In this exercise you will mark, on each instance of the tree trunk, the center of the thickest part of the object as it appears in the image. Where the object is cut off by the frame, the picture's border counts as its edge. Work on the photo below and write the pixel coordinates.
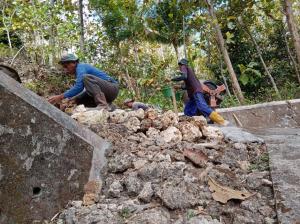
(52, 36)
(292, 27)
(227, 60)
(176, 49)
(184, 41)
(80, 13)
(260, 57)
(292, 57)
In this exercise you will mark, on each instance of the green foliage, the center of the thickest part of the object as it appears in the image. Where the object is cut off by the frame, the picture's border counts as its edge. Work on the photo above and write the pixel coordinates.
(249, 75)
(261, 163)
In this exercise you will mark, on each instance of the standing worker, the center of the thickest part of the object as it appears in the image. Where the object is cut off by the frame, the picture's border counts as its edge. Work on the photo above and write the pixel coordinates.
(93, 87)
(196, 102)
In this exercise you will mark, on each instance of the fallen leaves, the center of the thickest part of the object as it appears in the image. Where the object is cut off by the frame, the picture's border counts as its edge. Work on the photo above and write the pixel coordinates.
(224, 194)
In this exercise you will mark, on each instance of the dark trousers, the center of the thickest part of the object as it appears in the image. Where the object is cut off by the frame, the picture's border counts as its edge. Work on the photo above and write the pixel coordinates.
(197, 104)
(98, 92)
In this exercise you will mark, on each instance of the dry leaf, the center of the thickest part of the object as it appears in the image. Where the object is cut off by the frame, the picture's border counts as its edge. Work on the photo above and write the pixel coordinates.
(197, 157)
(223, 194)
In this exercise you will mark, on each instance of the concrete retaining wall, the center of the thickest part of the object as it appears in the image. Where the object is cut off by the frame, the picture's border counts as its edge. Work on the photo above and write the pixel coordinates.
(45, 156)
(265, 115)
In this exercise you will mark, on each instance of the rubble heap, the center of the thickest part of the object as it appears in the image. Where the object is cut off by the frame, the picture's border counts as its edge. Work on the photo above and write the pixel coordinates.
(162, 168)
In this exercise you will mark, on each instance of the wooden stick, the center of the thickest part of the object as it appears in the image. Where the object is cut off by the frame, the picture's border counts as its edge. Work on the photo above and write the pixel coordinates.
(174, 100)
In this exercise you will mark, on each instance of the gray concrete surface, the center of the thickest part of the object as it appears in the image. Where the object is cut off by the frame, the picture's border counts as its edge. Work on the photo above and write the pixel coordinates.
(284, 152)
(45, 156)
(265, 115)
(278, 124)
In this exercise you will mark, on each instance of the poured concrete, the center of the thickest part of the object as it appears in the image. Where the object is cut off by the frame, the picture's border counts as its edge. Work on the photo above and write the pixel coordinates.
(277, 123)
(265, 115)
(45, 156)
(284, 152)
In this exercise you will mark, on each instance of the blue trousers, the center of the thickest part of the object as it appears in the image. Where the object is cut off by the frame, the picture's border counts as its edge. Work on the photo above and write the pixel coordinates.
(197, 104)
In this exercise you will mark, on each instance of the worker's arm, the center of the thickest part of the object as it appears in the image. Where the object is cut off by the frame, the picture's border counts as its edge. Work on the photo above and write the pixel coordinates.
(79, 86)
(182, 77)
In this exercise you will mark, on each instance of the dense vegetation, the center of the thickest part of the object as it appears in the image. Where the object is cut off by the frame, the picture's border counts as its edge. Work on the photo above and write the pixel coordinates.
(252, 45)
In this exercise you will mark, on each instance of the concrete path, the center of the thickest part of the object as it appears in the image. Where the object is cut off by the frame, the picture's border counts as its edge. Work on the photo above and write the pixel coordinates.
(283, 145)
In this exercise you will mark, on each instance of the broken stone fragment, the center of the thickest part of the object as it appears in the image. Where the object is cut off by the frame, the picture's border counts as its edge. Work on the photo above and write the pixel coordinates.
(139, 163)
(120, 162)
(199, 121)
(146, 124)
(212, 133)
(118, 116)
(146, 193)
(189, 131)
(152, 133)
(171, 134)
(133, 124)
(140, 114)
(133, 184)
(182, 195)
(168, 119)
(151, 216)
(92, 191)
(151, 114)
(115, 189)
(91, 117)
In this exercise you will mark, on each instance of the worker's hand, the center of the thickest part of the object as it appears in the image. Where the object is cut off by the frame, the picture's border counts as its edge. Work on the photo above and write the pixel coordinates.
(56, 99)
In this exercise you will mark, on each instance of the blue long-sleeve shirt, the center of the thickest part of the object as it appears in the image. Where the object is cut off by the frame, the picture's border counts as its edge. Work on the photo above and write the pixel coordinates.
(81, 71)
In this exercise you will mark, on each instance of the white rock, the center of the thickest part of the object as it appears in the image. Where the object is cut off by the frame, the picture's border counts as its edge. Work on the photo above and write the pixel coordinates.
(199, 121)
(79, 108)
(212, 133)
(91, 117)
(118, 116)
(152, 133)
(171, 134)
(189, 131)
(140, 113)
(168, 119)
(133, 124)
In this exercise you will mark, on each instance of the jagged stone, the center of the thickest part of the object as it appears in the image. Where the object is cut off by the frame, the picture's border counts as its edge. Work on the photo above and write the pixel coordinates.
(199, 121)
(92, 117)
(151, 114)
(45, 156)
(120, 162)
(133, 184)
(92, 191)
(171, 134)
(189, 131)
(115, 189)
(140, 114)
(146, 193)
(118, 116)
(153, 133)
(212, 133)
(168, 119)
(151, 216)
(182, 195)
(133, 124)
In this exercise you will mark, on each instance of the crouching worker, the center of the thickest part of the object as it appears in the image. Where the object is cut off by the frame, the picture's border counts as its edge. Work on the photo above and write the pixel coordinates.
(196, 102)
(93, 87)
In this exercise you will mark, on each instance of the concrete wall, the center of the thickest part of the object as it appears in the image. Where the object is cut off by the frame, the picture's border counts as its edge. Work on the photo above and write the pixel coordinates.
(45, 156)
(265, 115)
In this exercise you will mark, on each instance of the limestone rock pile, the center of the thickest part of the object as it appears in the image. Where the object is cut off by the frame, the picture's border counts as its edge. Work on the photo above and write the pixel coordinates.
(158, 168)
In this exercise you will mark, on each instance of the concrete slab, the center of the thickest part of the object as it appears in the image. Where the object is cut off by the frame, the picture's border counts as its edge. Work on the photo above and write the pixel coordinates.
(45, 156)
(265, 115)
(283, 145)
